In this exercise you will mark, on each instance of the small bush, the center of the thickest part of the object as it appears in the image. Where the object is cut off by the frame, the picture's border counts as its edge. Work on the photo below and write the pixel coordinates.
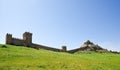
(4, 46)
(41, 66)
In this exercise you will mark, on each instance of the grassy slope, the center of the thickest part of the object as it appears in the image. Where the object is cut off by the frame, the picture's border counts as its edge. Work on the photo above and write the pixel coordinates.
(22, 58)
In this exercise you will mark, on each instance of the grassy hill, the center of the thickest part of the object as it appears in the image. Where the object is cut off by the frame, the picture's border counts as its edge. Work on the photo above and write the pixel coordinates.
(22, 58)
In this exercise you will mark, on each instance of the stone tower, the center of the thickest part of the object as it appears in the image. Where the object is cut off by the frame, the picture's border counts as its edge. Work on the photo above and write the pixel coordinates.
(8, 38)
(64, 49)
(27, 37)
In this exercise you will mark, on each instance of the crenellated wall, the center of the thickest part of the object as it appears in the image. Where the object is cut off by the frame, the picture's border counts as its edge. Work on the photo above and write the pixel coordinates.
(27, 41)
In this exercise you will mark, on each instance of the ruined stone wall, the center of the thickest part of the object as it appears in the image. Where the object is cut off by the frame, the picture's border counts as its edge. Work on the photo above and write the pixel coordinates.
(44, 47)
(77, 49)
(17, 42)
(27, 41)
(74, 50)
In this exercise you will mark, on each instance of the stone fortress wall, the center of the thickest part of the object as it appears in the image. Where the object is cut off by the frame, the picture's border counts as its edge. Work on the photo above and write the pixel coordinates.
(27, 41)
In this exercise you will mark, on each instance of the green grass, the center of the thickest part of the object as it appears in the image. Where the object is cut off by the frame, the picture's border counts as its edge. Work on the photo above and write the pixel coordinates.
(22, 58)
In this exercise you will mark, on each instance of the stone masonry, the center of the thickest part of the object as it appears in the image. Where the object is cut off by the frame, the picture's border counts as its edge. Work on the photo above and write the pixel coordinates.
(27, 41)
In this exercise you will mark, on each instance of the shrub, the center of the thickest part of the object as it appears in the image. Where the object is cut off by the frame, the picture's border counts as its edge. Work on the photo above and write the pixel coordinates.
(4, 46)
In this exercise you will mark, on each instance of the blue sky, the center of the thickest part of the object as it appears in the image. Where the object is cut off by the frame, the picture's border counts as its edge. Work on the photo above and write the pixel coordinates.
(63, 22)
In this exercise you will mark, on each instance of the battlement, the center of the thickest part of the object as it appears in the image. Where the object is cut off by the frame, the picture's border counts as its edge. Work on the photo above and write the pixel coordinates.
(9, 34)
(27, 33)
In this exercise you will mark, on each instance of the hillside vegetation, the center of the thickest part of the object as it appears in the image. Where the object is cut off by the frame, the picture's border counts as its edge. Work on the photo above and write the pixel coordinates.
(22, 58)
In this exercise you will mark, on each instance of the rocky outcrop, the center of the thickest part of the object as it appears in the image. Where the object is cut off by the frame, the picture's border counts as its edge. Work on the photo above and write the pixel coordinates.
(88, 46)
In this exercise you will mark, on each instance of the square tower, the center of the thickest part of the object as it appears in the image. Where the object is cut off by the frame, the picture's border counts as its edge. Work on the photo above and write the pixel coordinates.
(27, 37)
(64, 49)
(8, 38)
